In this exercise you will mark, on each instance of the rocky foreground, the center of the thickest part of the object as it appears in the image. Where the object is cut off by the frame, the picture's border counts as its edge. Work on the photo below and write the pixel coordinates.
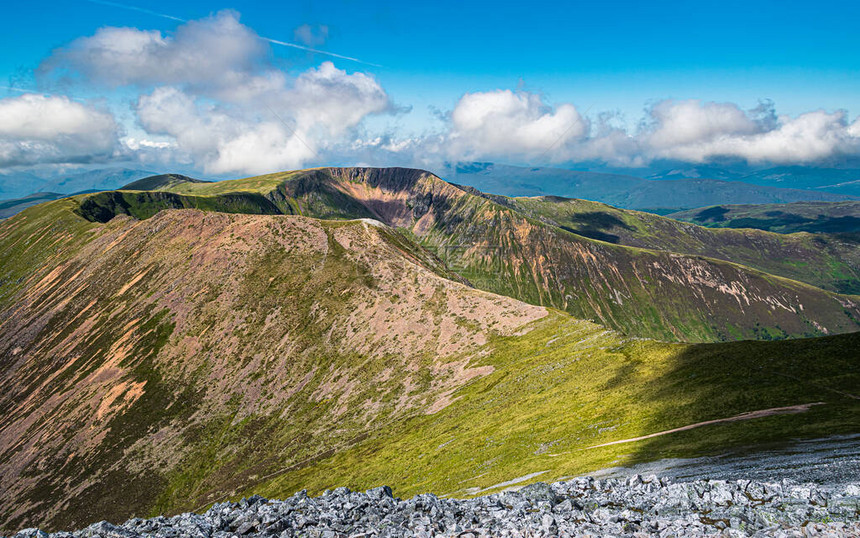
(637, 506)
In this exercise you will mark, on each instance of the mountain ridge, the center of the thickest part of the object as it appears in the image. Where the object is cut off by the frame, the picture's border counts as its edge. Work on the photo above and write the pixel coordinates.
(499, 248)
(163, 363)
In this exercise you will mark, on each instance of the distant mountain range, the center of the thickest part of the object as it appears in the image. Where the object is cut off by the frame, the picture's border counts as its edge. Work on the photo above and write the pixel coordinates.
(627, 191)
(834, 180)
(665, 191)
(814, 217)
(24, 184)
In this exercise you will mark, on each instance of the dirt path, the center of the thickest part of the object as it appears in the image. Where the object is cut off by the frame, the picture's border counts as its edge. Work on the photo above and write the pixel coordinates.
(801, 408)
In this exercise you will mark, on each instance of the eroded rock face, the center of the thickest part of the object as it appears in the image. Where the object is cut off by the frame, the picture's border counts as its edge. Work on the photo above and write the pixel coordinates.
(637, 507)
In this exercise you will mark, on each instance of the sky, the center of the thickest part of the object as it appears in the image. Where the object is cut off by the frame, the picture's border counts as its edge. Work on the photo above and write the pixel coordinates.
(243, 88)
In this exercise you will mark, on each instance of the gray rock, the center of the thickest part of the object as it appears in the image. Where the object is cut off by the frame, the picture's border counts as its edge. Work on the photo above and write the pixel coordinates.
(539, 492)
(635, 507)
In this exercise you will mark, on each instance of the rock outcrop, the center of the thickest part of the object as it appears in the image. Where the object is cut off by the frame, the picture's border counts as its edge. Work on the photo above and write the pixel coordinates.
(636, 507)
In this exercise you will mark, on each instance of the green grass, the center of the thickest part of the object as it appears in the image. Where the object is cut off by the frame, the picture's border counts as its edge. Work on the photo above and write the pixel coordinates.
(813, 217)
(616, 266)
(824, 261)
(37, 238)
(554, 391)
(551, 397)
(259, 184)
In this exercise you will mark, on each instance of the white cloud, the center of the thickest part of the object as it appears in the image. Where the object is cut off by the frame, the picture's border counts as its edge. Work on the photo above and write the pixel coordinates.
(504, 123)
(205, 52)
(36, 129)
(698, 132)
(212, 98)
(285, 127)
(681, 123)
(521, 127)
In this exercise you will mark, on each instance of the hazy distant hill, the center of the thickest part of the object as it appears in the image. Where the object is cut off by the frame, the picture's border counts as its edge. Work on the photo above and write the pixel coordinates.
(840, 181)
(814, 217)
(159, 182)
(623, 190)
(22, 184)
(10, 207)
(834, 180)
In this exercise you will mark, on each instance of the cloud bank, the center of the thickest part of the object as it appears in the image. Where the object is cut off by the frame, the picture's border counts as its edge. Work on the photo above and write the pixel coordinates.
(521, 125)
(210, 96)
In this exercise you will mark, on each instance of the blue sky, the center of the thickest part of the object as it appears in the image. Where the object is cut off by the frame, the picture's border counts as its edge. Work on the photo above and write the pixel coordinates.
(602, 58)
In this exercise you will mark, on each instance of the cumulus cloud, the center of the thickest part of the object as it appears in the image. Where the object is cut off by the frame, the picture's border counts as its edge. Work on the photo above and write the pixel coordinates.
(521, 126)
(507, 123)
(37, 129)
(295, 124)
(698, 132)
(206, 52)
(210, 96)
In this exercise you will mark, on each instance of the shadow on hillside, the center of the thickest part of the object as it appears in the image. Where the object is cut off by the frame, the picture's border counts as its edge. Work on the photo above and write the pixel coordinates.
(596, 225)
(718, 381)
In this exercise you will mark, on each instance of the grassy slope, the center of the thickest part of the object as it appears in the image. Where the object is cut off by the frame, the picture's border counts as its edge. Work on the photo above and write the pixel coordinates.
(829, 262)
(236, 343)
(273, 358)
(566, 387)
(510, 248)
(814, 217)
(159, 182)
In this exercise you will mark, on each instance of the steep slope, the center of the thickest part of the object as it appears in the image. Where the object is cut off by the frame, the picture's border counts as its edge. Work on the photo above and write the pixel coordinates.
(496, 247)
(164, 364)
(830, 262)
(622, 190)
(138, 345)
(813, 217)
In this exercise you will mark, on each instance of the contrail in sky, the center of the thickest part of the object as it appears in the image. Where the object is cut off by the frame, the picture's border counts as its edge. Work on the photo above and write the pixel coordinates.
(37, 92)
(134, 8)
(270, 40)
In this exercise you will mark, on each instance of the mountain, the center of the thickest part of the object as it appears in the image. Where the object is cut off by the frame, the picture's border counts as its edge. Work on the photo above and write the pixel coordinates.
(99, 179)
(830, 262)
(19, 184)
(23, 184)
(838, 180)
(159, 182)
(844, 181)
(494, 246)
(624, 190)
(163, 363)
(813, 217)
(659, 291)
